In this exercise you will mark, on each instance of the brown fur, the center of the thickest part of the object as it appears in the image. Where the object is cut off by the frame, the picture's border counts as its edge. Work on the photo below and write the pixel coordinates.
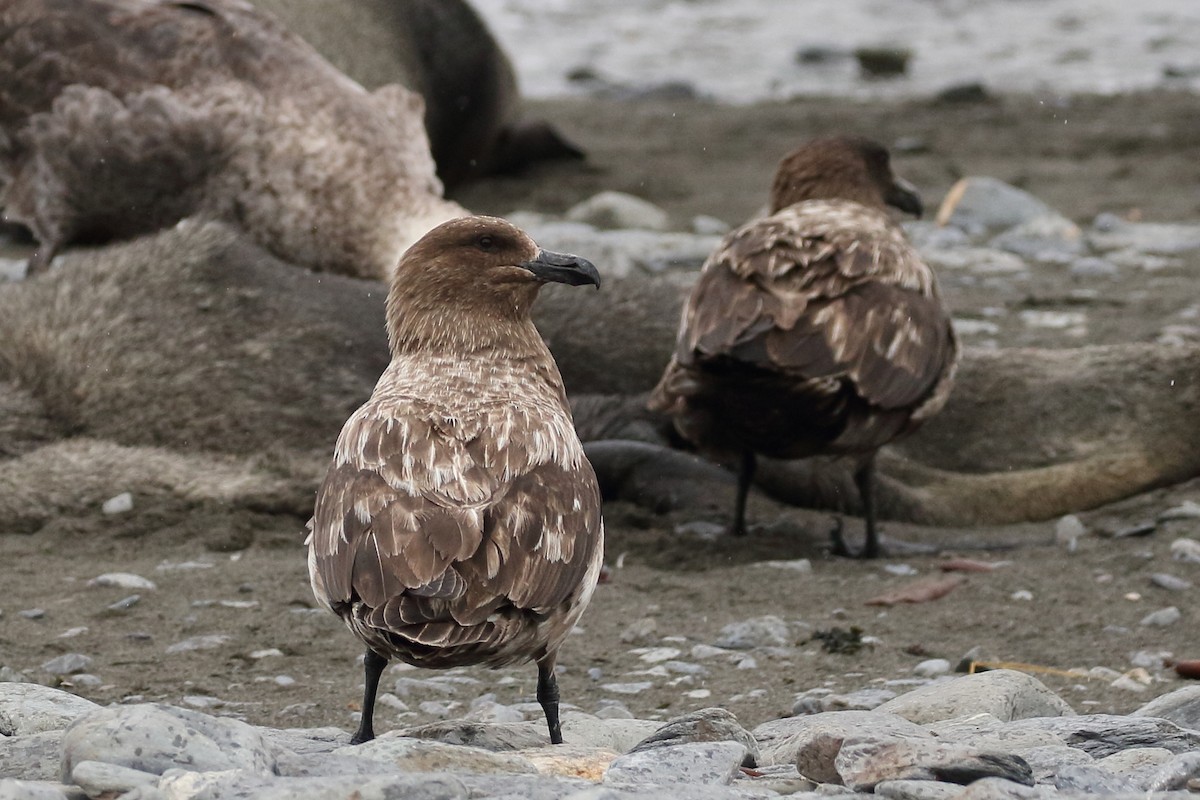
(123, 116)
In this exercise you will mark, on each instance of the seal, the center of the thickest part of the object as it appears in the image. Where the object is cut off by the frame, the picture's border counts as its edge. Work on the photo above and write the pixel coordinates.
(121, 117)
(445, 52)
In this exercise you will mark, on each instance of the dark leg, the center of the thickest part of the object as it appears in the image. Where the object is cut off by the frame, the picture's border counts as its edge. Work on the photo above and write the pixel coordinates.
(39, 262)
(547, 695)
(864, 479)
(745, 477)
(373, 665)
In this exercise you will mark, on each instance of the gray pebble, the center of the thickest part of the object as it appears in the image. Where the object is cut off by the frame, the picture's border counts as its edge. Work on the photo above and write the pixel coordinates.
(123, 580)
(1093, 267)
(208, 642)
(617, 210)
(28, 708)
(704, 725)
(989, 204)
(932, 668)
(125, 603)
(32, 789)
(32, 613)
(1005, 694)
(640, 630)
(420, 755)
(120, 504)
(1101, 735)
(1169, 582)
(1163, 617)
(67, 664)
(1181, 706)
(765, 631)
(1087, 779)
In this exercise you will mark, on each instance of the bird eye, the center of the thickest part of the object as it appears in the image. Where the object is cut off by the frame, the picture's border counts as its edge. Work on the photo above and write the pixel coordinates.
(486, 242)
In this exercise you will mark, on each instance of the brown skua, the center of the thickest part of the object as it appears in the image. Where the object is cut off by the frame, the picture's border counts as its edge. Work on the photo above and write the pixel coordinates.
(459, 522)
(816, 330)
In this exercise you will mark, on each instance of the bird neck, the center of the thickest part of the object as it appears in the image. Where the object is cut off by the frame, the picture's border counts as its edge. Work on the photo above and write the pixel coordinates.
(452, 328)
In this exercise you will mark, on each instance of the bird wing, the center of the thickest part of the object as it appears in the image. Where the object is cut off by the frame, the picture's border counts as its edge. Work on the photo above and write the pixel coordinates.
(435, 524)
(818, 293)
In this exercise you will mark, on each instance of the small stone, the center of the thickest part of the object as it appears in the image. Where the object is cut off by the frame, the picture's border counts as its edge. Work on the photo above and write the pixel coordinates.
(883, 61)
(709, 226)
(125, 603)
(656, 654)
(765, 631)
(1092, 267)
(1129, 684)
(1170, 582)
(1163, 617)
(812, 742)
(83, 679)
(67, 664)
(1006, 694)
(120, 504)
(123, 580)
(900, 570)
(863, 764)
(800, 565)
(1186, 510)
(639, 630)
(209, 642)
(1187, 550)
(271, 652)
(617, 210)
(422, 755)
(627, 688)
(932, 668)
(1023, 595)
(435, 708)
(1181, 706)
(703, 651)
(32, 613)
(202, 701)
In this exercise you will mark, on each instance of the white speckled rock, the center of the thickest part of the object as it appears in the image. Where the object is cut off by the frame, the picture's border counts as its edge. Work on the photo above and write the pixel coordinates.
(34, 757)
(31, 790)
(154, 738)
(698, 762)
(764, 631)
(1005, 694)
(27, 708)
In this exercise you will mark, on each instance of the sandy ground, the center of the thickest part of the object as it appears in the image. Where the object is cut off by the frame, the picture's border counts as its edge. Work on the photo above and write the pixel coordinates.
(1134, 155)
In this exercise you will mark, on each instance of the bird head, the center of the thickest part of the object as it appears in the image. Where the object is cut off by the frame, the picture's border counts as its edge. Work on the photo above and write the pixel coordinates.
(842, 168)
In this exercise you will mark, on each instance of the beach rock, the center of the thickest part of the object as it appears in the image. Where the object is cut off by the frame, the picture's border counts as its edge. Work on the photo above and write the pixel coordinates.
(331, 765)
(1087, 779)
(523, 787)
(98, 779)
(916, 790)
(681, 764)
(1162, 617)
(243, 785)
(765, 631)
(1049, 238)
(1181, 706)
(571, 761)
(626, 251)
(27, 708)
(1001, 789)
(619, 734)
(1170, 582)
(154, 738)
(1005, 694)
(32, 789)
(417, 755)
(980, 261)
(1181, 772)
(812, 742)
(705, 725)
(1187, 550)
(861, 764)
(984, 732)
(1110, 232)
(123, 580)
(496, 737)
(1046, 761)
(207, 642)
(1101, 735)
(67, 664)
(981, 204)
(118, 504)
(617, 210)
(1093, 267)
(816, 702)
(932, 668)
(1136, 761)
(34, 756)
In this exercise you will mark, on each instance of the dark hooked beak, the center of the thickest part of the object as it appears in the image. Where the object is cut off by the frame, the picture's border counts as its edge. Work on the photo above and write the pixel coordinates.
(563, 268)
(903, 195)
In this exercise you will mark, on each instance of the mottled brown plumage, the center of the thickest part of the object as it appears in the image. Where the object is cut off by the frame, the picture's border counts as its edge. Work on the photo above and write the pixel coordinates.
(459, 522)
(817, 330)
(119, 117)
